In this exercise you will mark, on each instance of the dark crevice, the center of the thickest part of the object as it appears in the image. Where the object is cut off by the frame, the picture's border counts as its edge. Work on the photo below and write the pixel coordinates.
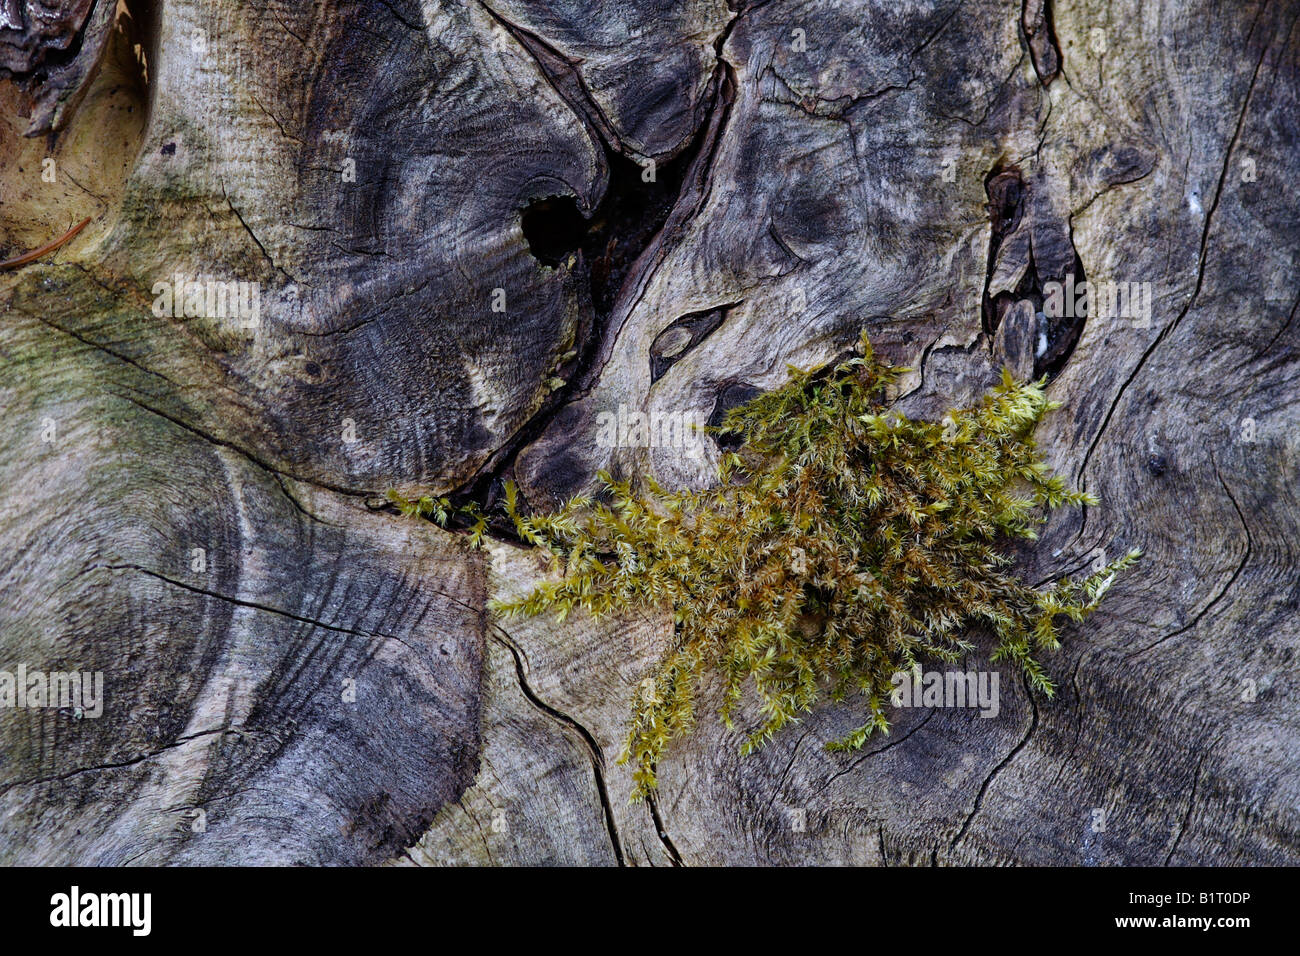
(50, 42)
(662, 832)
(553, 228)
(1005, 188)
(635, 210)
(602, 250)
(563, 75)
(627, 220)
(684, 334)
(1040, 38)
(731, 395)
(1054, 337)
(1062, 332)
(631, 213)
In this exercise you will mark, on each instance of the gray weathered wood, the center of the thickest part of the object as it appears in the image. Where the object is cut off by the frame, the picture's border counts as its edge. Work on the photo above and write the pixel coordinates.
(923, 169)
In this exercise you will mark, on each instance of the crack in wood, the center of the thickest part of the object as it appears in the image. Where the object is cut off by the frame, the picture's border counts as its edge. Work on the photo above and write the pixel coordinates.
(594, 752)
(1167, 330)
(688, 177)
(979, 797)
(1232, 578)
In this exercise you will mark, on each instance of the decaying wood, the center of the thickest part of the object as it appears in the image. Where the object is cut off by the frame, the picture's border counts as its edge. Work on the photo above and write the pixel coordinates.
(474, 228)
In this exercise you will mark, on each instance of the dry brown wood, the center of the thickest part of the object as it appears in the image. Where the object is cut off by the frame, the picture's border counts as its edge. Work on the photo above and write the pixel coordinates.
(474, 228)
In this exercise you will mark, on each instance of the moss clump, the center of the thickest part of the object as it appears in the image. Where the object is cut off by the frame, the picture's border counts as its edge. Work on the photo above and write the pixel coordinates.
(843, 543)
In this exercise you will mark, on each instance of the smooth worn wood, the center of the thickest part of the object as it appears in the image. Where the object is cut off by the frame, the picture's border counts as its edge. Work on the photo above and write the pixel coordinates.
(478, 229)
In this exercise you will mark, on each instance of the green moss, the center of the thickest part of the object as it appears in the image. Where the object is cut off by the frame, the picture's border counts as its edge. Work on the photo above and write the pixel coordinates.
(842, 544)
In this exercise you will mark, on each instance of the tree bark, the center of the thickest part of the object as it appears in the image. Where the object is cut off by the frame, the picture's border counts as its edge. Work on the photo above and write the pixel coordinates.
(471, 228)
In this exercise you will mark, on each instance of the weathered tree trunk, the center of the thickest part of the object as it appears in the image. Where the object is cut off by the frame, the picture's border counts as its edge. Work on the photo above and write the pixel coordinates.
(472, 227)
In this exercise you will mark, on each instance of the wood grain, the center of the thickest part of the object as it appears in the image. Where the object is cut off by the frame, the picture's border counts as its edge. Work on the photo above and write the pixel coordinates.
(925, 170)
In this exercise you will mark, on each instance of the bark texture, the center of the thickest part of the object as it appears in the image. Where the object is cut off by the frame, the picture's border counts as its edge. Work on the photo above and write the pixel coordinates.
(474, 227)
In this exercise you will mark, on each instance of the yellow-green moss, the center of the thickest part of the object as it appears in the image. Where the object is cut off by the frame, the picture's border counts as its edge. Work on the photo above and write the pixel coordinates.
(842, 544)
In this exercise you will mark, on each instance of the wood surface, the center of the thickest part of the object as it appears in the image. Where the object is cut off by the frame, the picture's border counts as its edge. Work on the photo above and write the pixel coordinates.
(477, 226)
